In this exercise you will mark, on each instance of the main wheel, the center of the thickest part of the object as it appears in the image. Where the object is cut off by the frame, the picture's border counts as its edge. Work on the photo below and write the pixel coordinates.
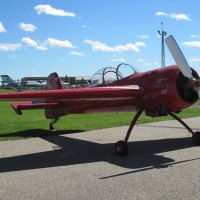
(196, 138)
(121, 148)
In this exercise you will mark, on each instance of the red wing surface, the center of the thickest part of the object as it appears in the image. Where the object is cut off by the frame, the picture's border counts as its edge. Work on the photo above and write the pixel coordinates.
(130, 91)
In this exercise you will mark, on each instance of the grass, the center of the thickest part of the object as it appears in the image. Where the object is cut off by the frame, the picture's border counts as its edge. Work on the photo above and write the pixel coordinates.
(2, 90)
(7, 90)
(33, 123)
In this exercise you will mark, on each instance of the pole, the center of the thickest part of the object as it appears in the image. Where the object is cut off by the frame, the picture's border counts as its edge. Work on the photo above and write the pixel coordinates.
(162, 34)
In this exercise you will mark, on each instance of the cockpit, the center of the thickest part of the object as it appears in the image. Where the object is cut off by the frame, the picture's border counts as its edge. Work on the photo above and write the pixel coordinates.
(110, 74)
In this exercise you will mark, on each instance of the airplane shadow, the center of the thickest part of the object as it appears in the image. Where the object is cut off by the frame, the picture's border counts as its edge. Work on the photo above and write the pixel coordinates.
(170, 127)
(38, 133)
(70, 151)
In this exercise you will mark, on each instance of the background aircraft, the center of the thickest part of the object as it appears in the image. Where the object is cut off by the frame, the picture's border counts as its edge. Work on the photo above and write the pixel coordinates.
(35, 84)
(159, 92)
(8, 81)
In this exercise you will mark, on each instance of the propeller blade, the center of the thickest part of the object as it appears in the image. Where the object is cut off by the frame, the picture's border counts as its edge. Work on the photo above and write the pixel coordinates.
(178, 56)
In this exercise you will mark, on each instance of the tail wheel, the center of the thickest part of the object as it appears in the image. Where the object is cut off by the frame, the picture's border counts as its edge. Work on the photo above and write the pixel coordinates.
(196, 138)
(51, 128)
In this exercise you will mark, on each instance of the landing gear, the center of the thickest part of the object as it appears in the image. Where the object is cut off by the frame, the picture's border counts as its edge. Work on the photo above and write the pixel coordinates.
(195, 135)
(121, 147)
(51, 128)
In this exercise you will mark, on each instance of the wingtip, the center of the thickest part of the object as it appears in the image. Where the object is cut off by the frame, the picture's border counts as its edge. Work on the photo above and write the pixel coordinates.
(16, 109)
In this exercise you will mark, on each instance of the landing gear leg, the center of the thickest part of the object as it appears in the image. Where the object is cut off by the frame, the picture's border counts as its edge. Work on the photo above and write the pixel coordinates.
(51, 128)
(121, 147)
(195, 135)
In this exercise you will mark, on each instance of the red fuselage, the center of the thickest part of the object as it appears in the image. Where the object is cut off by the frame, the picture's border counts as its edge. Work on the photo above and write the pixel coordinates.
(163, 90)
(157, 92)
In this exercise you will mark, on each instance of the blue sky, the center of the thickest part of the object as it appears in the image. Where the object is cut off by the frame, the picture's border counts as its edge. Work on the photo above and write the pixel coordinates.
(78, 37)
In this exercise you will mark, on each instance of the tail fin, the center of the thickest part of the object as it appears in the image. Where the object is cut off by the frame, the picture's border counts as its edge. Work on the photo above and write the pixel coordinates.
(53, 82)
(6, 78)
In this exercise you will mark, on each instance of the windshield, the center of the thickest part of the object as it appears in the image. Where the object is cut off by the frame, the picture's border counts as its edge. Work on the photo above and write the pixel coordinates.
(111, 74)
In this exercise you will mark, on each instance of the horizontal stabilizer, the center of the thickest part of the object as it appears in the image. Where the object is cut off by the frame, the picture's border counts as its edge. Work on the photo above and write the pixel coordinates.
(18, 107)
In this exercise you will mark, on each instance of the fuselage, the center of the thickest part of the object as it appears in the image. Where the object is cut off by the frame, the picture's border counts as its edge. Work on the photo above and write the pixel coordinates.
(164, 90)
(157, 92)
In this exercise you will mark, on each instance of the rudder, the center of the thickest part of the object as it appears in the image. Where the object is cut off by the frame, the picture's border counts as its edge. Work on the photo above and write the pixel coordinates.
(53, 82)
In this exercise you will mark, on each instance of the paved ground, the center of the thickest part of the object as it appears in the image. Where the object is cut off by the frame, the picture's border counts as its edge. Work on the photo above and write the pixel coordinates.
(162, 164)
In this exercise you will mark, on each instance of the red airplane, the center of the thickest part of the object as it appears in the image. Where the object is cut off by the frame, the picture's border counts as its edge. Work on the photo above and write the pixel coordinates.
(159, 92)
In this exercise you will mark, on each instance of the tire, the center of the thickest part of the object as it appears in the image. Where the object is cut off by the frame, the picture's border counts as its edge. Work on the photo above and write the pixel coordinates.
(196, 138)
(121, 148)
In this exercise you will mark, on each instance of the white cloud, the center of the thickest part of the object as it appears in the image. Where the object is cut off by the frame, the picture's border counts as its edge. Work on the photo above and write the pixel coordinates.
(143, 36)
(76, 53)
(192, 44)
(140, 60)
(9, 47)
(99, 46)
(195, 36)
(179, 17)
(140, 44)
(32, 43)
(161, 14)
(86, 27)
(147, 63)
(52, 42)
(176, 16)
(12, 56)
(27, 27)
(118, 59)
(2, 29)
(49, 10)
(195, 59)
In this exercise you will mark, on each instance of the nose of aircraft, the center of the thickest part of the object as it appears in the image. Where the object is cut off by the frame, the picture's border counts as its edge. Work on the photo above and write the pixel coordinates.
(181, 62)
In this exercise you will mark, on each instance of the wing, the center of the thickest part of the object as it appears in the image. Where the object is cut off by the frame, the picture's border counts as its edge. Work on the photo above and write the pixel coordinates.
(132, 91)
(54, 98)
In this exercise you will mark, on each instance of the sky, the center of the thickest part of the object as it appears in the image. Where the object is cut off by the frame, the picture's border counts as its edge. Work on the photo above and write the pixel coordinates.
(78, 37)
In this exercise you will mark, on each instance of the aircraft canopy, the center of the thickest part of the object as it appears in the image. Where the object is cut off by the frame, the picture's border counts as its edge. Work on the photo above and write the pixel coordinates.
(110, 74)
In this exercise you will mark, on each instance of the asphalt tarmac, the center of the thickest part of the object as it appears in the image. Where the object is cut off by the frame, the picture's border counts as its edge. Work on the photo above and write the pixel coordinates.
(162, 164)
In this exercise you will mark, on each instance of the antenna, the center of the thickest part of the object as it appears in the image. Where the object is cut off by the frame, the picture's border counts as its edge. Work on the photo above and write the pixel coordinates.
(163, 34)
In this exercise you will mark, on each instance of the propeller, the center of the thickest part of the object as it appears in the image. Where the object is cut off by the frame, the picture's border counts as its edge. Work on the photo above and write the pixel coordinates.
(181, 62)
(178, 56)
(190, 85)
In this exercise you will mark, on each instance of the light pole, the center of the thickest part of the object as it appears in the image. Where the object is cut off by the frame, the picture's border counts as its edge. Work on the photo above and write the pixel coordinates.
(162, 34)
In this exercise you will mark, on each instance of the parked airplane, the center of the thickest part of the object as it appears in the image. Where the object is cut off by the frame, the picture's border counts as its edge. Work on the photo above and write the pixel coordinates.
(8, 81)
(38, 84)
(159, 92)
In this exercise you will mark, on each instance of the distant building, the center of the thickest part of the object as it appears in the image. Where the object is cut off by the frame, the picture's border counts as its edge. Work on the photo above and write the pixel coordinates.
(78, 81)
